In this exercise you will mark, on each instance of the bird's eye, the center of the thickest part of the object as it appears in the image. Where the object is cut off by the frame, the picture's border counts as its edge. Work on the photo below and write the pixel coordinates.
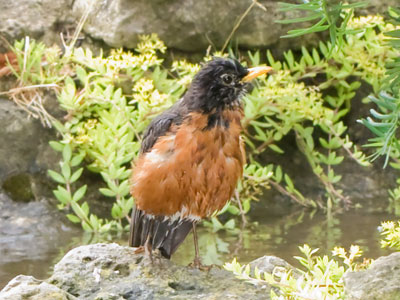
(227, 78)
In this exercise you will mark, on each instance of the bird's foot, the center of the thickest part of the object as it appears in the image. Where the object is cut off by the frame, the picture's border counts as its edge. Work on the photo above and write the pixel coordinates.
(196, 263)
(146, 251)
(139, 250)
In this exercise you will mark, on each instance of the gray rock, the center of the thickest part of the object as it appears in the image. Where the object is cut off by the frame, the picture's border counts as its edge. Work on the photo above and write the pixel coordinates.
(110, 271)
(30, 232)
(26, 287)
(380, 281)
(267, 264)
(187, 25)
(192, 25)
(38, 18)
(25, 154)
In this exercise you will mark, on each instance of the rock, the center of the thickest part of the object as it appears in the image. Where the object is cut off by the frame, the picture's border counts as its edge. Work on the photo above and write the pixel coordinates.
(380, 281)
(38, 18)
(27, 287)
(191, 25)
(187, 25)
(110, 271)
(19, 187)
(267, 264)
(25, 154)
(30, 232)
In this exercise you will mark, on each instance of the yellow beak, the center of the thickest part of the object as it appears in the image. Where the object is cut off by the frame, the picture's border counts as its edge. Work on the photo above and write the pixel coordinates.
(255, 72)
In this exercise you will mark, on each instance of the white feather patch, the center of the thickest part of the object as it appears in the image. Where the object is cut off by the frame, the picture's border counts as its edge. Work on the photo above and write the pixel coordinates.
(183, 214)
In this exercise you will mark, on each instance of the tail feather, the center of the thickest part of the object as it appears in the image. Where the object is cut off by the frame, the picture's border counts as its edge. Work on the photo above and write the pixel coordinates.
(136, 227)
(164, 234)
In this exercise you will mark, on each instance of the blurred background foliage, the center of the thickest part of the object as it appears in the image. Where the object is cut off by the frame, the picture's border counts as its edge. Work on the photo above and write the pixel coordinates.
(321, 277)
(109, 99)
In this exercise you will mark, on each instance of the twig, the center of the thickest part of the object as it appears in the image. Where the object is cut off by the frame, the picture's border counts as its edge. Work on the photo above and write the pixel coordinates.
(236, 26)
(242, 213)
(264, 145)
(78, 29)
(30, 87)
(283, 191)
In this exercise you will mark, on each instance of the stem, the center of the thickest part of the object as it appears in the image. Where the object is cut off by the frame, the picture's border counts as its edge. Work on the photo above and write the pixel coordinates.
(282, 190)
(310, 158)
(264, 145)
(342, 144)
(68, 187)
(236, 26)
(242, 214)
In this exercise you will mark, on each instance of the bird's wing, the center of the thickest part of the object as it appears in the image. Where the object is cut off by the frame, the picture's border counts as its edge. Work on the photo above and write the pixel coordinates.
(160, 126)
(166, 235)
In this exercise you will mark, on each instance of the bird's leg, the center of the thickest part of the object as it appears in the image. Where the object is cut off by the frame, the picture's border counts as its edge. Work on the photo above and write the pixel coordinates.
(147, 249)
(196, 262)
(147, 244)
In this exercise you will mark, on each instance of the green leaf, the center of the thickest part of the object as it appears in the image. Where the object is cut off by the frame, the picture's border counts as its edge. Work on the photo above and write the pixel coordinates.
(56, 176)
(230, 224)
(393, 33)
(216, 224)
(85, 208)
(278, 174)
(246, 206)
(123, 188)
(65, 170)
(77, 159)
(79, 211)
(73, 218)
(86, 226)
(233, 210)
(315, 28)
(289, 182)
(94, 222)
(56, 146)
(79, 193)
(107, 192)
(303, 19)
(67, 152)
(276, 148)
(62, 195)
(81, 73)
(116, 211)
(75, 176)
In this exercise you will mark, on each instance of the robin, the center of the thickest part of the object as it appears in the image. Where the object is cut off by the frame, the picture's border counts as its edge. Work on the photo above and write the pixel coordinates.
(191, 159)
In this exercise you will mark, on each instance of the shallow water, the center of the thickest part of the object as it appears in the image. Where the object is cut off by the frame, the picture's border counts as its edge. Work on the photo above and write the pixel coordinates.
(274, 235)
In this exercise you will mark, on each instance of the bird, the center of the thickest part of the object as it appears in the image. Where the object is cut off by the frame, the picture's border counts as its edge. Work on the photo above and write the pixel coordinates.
(191, 158)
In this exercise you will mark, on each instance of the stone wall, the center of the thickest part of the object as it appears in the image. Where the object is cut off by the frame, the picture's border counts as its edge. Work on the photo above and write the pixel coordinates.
(187, 25)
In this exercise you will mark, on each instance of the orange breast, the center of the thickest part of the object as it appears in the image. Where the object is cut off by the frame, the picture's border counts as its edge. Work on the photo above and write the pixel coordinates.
(192, 172)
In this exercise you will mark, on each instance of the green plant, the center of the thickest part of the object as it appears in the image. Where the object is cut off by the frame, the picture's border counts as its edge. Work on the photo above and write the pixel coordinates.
(64, 192)
(38, 69)
(320, 277)
(104, 123)
(391, 233)
(110, 99)
(384, 121)
(332, 15)
(283, 103)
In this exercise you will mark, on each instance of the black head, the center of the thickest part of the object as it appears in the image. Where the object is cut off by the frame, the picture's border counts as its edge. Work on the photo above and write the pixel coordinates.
(218, 84)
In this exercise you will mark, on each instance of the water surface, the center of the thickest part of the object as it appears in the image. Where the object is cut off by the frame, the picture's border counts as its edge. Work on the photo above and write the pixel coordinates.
(268, 234)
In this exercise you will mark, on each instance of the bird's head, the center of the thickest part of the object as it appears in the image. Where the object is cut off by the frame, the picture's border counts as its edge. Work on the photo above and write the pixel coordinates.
(220, 83)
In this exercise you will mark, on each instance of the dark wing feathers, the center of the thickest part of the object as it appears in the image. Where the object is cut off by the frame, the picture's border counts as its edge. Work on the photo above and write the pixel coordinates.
(164, 234)
(160, 126)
